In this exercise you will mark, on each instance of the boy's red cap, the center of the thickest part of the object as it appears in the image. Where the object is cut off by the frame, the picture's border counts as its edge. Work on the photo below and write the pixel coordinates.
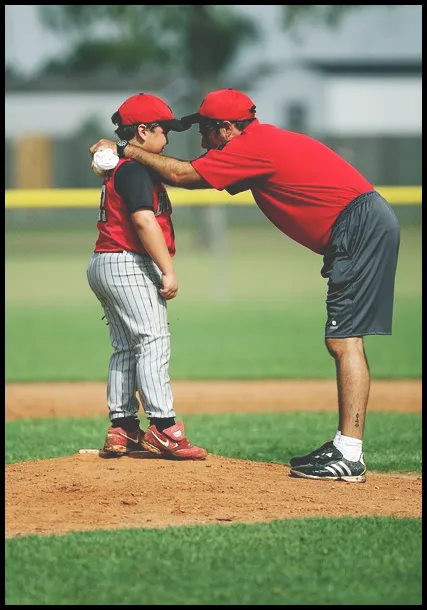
(148, 108)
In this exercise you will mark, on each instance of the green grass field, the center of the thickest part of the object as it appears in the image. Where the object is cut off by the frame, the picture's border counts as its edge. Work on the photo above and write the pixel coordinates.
(254, 310)
(299, 562)
(252, 313)
(392, 443)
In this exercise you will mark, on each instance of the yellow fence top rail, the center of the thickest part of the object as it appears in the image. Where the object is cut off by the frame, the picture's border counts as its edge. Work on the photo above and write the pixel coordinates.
(88, 198)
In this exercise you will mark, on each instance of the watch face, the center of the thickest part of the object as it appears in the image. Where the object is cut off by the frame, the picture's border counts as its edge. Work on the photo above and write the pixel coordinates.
(121, 145)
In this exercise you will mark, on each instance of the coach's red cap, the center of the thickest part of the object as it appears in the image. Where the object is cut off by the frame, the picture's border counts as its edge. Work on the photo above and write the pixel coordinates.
(148, 108)
(223, 105)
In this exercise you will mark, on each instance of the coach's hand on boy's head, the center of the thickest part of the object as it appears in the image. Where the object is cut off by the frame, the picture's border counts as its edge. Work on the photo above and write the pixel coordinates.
(101, 145)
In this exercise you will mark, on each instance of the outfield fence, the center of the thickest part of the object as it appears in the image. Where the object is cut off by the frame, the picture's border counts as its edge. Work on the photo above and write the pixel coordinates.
(87, 198)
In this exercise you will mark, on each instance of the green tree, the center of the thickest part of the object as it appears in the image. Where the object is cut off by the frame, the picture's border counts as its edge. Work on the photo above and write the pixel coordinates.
(189, 47)
(197, 43)
(161, 44)
(185, 49)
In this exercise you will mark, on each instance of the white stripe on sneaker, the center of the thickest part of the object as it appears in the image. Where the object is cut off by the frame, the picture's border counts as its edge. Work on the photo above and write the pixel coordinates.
(344, 465)
(333, 470)
(339, 468)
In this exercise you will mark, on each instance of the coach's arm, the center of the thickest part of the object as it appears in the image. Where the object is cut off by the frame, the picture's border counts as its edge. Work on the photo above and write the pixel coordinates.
(172, 171)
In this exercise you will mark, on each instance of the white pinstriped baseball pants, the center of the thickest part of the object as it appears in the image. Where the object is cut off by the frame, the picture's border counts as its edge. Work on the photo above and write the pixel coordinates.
(127, 286)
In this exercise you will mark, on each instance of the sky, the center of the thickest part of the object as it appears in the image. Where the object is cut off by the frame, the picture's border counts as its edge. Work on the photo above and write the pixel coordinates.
(27, 43)
(373, 31)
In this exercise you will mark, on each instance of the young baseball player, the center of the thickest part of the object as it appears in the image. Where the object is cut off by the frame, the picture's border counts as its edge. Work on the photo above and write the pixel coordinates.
(321, 201)
(132, 274)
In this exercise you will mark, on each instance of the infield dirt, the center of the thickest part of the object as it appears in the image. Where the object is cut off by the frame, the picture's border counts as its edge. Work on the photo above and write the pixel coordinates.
(85, 492)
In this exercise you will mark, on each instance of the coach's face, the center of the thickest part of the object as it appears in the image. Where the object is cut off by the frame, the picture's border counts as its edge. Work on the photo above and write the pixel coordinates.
(214, 137)
(211, 138)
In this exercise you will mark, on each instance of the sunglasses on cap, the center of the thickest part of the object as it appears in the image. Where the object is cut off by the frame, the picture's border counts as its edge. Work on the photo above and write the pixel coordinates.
(208, 125)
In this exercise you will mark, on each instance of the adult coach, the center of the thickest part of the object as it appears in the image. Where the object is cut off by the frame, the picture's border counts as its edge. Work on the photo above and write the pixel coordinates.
(132, 274)
(321, 201)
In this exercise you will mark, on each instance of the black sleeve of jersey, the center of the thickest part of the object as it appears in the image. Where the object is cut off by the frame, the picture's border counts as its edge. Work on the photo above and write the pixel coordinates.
(134, 183)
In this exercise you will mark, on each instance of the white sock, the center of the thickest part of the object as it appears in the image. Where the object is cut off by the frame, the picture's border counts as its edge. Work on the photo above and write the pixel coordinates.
(350, 447)
(337, 437)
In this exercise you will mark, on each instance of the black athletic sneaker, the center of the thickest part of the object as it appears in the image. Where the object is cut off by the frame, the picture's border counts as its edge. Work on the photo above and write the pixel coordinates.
(332, 466)
(306, 459)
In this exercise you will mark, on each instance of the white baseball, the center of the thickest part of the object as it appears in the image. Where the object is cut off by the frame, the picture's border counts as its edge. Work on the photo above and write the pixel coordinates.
(98, 171)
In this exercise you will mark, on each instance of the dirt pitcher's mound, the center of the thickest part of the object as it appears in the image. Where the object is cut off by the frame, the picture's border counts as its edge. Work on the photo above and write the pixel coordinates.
(86, 492)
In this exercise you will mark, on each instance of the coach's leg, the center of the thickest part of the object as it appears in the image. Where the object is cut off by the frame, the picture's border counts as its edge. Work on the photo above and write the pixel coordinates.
(353, 384)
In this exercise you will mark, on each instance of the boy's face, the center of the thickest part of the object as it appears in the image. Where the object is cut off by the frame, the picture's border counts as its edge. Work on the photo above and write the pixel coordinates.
(153, 140)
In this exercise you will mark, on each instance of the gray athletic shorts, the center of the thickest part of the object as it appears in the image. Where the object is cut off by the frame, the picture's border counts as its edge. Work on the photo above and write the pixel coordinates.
(360, 265)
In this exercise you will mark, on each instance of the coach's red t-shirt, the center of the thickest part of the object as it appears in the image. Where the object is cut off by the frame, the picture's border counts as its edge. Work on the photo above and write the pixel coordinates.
(142, 190)
(299, 183)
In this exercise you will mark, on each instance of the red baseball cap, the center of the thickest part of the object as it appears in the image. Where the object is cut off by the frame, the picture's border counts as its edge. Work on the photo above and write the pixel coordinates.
(223, 105)
(148, 108)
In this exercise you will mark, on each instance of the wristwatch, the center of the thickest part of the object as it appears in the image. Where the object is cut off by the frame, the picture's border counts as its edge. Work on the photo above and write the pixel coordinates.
(121, 145)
